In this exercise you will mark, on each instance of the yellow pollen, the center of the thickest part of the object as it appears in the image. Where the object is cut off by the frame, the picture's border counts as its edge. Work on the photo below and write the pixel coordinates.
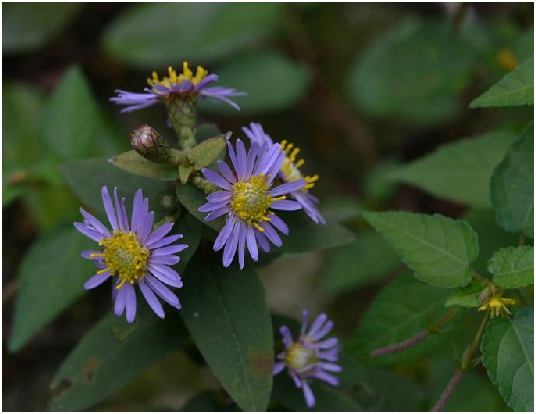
(291, 166)
(174, 79)
(251, 202)
(124, 256)
(298, 356)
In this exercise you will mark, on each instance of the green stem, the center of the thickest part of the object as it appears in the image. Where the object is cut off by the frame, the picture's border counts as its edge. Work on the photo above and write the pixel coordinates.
(183, 116)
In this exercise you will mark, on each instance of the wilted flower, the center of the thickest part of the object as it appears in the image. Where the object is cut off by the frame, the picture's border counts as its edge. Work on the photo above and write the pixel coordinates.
(184, 85)
(497, 306)
(310, 356)
(132, 253)
(247, 198)
(290, 171)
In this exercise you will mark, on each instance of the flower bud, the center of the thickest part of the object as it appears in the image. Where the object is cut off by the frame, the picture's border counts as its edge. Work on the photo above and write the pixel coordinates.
(147, 142)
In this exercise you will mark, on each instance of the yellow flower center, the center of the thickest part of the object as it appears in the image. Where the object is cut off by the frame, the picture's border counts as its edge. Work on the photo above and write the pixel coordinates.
(251, 202)
(497, 305)
(124, 256)
(174, 79)
(298, 356)
(291, 167)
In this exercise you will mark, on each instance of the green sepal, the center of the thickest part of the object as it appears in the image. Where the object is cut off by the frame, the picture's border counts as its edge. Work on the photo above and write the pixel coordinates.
(134, 163)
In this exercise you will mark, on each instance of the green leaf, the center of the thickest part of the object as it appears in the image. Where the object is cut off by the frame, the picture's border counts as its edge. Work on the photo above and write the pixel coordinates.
(273, 82)
(305, 235)
(51, 279)
(237, 345)
(413, 73)
(207, 151)
(70, 117)
(112, 354)
(375, 257)
(468, 296)
(460, 170)
(516, 88)
(508, 355)
(437, 248)
(192, 198)
(401, 310)
(512, 186)
(28, 26)
(184, 173)
(157, 35)
(513, 267)
(134, 163)
(87, 177)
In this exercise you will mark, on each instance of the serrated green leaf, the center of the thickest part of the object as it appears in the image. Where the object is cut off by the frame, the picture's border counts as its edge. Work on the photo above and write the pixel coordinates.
(70, 117)
(516, 88)
(237, 345)
(87, 177)
(28, 26)
(513, 267)
(413, 73)
(367, 260)
(401, 310)
(51, 278)
(134, 163)
(207, 151)
(437, 248)
(192, 198)
(161, 34)
(273, 82)
(512, 186)
(508, 355)
(460, 170)
(468, 296)
(113, 353)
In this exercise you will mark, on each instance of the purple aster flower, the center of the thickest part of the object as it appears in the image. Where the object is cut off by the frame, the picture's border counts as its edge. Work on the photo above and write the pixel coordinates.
(310, 356)
(290, 171)
(132, 253)
(184, 84)
(248, 197)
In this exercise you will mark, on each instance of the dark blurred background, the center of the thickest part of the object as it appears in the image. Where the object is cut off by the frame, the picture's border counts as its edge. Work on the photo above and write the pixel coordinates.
(361, 88)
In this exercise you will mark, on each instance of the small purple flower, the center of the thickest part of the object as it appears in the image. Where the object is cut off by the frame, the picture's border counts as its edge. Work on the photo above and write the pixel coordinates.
(184, 85)
(132, 253)
(247, 197)
(290, 171)
(310, 356)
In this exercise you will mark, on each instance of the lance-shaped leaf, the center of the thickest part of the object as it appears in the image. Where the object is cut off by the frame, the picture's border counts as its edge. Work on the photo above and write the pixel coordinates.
(192, 198)
(516, 88)
(513, 267)
(112, 354)
(437, 248)
(226, 314)
(512, 186)
(134, 163)
(508, 355)
(207, 151)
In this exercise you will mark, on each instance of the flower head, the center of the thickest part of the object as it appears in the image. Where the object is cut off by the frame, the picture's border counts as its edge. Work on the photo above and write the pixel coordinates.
(183, 85)
(290, 172)
(497, 306)
(310, 356)
(247, 198)
(132, 253)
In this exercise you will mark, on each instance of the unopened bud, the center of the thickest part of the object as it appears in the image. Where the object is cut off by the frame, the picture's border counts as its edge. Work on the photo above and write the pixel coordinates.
(147, 142)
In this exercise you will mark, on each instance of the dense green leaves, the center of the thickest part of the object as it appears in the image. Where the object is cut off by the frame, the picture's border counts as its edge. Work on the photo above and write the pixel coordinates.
(158, 34)
(207, 151)
(368, 259)
(516, 88)
(70, 117)
(237, 344)
(413, 73)
(512, 186)
(508, 354)
(51, 278)
(113, 353)
(134, 163)
(27, 26)
(460, 170)
(513, 267)
(400, 311)
(437, 248)
(273, 82)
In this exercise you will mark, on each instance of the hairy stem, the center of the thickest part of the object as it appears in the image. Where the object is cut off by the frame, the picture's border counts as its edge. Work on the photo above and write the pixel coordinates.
(453, 383)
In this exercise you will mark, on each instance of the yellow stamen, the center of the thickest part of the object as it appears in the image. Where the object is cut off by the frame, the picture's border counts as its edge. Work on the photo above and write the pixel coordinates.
(299, 356)
(251, 202)
(291, 167)
(497, 306)
(174, 79)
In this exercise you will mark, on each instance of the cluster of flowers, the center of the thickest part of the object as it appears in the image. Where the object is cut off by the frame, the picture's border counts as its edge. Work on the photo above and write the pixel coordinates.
(264, 178)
